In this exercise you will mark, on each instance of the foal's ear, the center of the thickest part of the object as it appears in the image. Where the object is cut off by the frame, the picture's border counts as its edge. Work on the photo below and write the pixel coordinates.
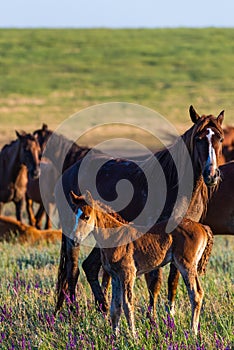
(193, 115)
(75, 198)
(88, 197)
(220, 117)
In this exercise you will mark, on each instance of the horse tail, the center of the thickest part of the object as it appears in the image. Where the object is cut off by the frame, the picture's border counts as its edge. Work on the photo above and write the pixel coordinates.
(202, 264)
(62, 284)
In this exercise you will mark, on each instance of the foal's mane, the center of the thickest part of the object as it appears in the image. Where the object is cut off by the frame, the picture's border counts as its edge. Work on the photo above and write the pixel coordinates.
(100, 206)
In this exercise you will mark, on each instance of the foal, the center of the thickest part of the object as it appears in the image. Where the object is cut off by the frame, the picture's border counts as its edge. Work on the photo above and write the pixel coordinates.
(127, 253)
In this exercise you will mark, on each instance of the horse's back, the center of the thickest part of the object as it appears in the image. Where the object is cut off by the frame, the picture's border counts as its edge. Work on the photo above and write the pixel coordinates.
(220, 210)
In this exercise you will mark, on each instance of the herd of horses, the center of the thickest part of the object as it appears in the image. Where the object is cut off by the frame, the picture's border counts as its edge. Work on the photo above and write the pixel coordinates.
(187, 247)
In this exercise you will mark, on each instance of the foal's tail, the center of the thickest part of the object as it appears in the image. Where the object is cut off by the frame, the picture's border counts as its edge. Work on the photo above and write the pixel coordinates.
(201, 268)
(62, 284)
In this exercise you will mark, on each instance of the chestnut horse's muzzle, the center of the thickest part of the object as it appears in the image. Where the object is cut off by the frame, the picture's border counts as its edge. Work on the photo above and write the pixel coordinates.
(211, 178)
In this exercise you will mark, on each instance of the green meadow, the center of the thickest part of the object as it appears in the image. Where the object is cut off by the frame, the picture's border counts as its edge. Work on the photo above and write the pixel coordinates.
(48, 75)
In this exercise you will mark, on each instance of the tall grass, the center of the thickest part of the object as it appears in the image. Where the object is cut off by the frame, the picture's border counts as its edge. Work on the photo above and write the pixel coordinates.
(28, 278)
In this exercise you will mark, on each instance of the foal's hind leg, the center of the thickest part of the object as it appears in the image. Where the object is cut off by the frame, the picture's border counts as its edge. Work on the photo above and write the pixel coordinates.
(127, 280)
(116, 303)
(196, 294)
(154, 282)
(172, 283)
(91, 266)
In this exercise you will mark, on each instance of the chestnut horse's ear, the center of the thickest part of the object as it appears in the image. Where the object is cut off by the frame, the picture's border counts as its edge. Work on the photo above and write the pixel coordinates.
(75, 198)
(88, 197)
(220, 117)
(193, 115)
(44, 127)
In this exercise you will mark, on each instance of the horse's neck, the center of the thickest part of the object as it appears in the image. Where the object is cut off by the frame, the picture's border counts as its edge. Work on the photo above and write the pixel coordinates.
(10, 163)
(58, 150)
(107, 227)
(198, 203)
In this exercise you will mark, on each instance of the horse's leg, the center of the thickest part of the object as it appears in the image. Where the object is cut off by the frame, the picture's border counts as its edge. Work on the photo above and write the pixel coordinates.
(154, 282)
(172, 283)
(18, 206)
(195, 293)
(127, 280)
(116, 303)
(1, 207)
(106, 281)
(29, 208)
(91, 266)
(72, 268)
(39, 216)
(62, 285)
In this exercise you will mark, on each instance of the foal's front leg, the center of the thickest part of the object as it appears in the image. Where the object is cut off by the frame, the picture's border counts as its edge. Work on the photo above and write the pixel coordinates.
(91, 267)
(127, 280)
(195, 293)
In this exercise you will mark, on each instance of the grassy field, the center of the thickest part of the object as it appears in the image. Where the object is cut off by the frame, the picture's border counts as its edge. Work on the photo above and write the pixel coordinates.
(28, 278)
(48, 75)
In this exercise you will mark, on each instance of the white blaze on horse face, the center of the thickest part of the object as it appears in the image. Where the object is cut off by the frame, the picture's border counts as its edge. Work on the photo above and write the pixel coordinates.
(78, 215)
(212, 161)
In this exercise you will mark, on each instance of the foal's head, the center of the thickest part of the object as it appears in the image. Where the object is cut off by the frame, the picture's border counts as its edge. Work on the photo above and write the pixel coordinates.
(30, 153)
(206, 144)
(85, 215)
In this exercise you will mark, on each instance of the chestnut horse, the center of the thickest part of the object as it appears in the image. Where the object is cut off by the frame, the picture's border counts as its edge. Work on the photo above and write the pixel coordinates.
(203, 142)
(126, 253)
(11, 230)
(18, 160)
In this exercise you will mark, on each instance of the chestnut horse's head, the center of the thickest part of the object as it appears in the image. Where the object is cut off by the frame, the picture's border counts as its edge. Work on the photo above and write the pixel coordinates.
(30, 153)
(207, 138)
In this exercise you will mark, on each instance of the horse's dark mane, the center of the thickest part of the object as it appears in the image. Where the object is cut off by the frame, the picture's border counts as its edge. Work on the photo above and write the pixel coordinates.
(8, 145)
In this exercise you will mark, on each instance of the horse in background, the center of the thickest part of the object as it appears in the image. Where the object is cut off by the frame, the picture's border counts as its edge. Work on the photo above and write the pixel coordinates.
(127, 253)
(42, 192)
(18, 160)
(12, 230)
(228, 144)
(65, 149)
(203, 142)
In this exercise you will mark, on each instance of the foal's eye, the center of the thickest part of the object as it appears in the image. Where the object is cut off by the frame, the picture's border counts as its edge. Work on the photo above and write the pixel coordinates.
(221, 140)
(86, 217)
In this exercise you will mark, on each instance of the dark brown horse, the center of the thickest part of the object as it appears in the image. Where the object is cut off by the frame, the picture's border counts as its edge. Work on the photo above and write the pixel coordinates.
(203, 143)
(41, 191)
(228, 144)
(62, 148)
(18, 160)
(127, 253)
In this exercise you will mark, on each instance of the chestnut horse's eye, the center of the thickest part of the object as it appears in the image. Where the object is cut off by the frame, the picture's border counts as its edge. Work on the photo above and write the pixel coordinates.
(86, 217)
(221, 139)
